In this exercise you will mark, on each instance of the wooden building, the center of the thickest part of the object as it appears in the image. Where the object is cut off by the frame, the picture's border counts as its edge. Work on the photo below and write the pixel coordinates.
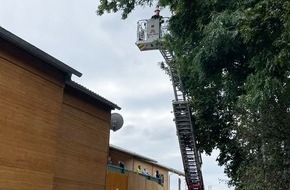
(54, 133)
(129, 179)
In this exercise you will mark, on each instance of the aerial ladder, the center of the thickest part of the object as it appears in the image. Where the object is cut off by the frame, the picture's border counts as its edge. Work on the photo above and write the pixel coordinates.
(150, 36)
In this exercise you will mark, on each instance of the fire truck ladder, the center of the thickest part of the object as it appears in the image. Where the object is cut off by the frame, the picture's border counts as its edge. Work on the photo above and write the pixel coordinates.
(183, 119)
(150, 35)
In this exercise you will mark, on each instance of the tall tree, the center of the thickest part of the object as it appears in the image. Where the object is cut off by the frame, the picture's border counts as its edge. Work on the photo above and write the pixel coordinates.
(233, 58)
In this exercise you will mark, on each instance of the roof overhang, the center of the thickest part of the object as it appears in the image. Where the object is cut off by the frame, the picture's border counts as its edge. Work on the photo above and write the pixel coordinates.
(92, 94)
(36, 52)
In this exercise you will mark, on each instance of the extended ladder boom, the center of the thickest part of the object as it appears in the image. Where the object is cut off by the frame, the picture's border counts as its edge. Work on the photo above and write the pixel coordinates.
(185, 128)
(149, 37)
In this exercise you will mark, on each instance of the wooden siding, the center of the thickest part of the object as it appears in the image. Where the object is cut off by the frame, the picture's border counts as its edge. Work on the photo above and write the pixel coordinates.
(83, 141)
(116, 181)
(23, 179)
(130, 181)
(30, 102)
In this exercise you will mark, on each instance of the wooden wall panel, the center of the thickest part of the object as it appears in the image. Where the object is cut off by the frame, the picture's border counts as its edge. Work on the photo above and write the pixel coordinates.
(133, 181)
(13, 178)
(155, 186)
(30, 107)
(83, 141)
(78, 169)
(82, 152)
(116, 181)
(141, 182)
(148, 184)
(86, 104)
(63, 184)
(84, 128)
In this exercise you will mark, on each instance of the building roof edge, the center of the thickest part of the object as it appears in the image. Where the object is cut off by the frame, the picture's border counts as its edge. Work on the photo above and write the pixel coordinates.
(92, 94)
(32, 50)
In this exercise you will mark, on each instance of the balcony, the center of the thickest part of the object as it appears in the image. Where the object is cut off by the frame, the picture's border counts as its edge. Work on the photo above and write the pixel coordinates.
(122, 179)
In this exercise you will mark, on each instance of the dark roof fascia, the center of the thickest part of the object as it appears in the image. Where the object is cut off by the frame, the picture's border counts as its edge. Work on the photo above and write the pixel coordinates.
(92, 94)
(32, 50)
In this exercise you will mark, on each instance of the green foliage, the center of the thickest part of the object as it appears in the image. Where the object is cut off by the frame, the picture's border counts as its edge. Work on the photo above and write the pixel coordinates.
(233, 58)
(126, 6)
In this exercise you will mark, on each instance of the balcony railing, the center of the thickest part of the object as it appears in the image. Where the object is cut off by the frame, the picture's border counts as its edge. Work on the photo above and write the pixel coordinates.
(125, 171)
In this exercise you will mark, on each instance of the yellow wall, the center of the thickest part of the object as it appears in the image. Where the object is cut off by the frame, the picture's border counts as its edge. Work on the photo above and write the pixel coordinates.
(130, 181)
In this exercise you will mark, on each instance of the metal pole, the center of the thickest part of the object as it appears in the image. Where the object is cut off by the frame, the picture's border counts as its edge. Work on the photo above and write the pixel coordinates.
(169, 174)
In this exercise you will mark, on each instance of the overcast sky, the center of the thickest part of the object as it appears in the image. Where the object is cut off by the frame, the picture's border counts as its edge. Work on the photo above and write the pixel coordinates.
(103, 49)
